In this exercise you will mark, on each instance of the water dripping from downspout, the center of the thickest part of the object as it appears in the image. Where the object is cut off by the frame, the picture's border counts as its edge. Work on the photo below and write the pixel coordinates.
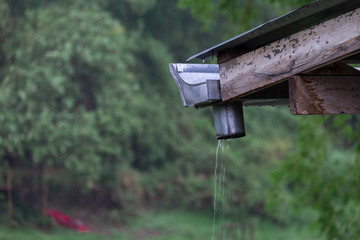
(215, 185)
(220, 207)
(199, 87)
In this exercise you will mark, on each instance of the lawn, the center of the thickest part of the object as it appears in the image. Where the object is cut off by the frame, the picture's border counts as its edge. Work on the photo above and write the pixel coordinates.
(161, 226)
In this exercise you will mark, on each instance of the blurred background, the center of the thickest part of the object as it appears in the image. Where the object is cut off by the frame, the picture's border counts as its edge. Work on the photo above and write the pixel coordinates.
(92, 125)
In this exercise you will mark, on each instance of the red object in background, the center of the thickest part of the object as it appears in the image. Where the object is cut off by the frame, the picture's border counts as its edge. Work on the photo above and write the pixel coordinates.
(66, 221)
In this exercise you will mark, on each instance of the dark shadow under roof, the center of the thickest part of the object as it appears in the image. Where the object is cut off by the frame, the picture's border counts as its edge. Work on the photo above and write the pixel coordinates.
(278, 28)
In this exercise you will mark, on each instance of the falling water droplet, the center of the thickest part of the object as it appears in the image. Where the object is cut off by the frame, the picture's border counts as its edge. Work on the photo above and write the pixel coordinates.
(215, 184)
(222, 223)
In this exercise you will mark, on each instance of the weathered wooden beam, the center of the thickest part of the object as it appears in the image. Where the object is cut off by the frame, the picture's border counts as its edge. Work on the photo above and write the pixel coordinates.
(324, 95)
(306, 50)
(334, 69)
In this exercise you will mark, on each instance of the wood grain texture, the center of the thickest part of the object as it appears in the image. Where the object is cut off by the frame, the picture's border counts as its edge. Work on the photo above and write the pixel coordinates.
(306, 50)
(334, 69)
(324, 95)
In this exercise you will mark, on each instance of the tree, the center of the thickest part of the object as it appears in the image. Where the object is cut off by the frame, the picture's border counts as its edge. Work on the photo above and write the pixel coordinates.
(323, 174)
(66, 91)
(82, 92)
(85, 88)
(52, 89)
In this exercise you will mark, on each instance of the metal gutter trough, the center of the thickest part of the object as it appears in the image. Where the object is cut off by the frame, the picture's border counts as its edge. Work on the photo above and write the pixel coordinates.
(199, 86)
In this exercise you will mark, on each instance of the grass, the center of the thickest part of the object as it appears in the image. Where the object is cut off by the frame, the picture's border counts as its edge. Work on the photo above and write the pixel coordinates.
(161, 226)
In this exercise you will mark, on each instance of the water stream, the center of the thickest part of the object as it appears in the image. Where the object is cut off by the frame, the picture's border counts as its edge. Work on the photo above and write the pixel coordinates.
(229, 222)
(221, 208)
(215, 186)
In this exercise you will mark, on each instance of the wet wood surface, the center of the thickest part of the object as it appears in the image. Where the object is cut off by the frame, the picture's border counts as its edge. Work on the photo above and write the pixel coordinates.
(334, 69)
(307, 50)
(324, 95)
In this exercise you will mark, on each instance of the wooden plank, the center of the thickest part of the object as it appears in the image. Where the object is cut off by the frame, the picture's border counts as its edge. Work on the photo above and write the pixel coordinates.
(324, 95)
(335, 69)
(278, 95)
(306, 50)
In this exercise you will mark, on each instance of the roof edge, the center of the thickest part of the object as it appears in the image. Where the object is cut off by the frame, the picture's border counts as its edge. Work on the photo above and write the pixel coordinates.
(299, 19)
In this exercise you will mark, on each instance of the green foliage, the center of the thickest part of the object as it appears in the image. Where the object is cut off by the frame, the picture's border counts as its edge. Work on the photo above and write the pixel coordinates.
(51, 90)
(202, 9)
(141, 6)
(175, 225)
(323, 174)
(168, 25)
(238, 15)
(248, 162)
(86, 93)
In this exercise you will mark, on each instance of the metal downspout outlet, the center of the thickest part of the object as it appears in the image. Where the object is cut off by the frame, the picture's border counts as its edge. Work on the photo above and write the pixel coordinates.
(199, 86)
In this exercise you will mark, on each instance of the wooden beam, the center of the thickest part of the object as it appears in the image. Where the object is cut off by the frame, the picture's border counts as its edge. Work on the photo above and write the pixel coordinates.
(306, 50)
(335, 69)
(324, 95)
